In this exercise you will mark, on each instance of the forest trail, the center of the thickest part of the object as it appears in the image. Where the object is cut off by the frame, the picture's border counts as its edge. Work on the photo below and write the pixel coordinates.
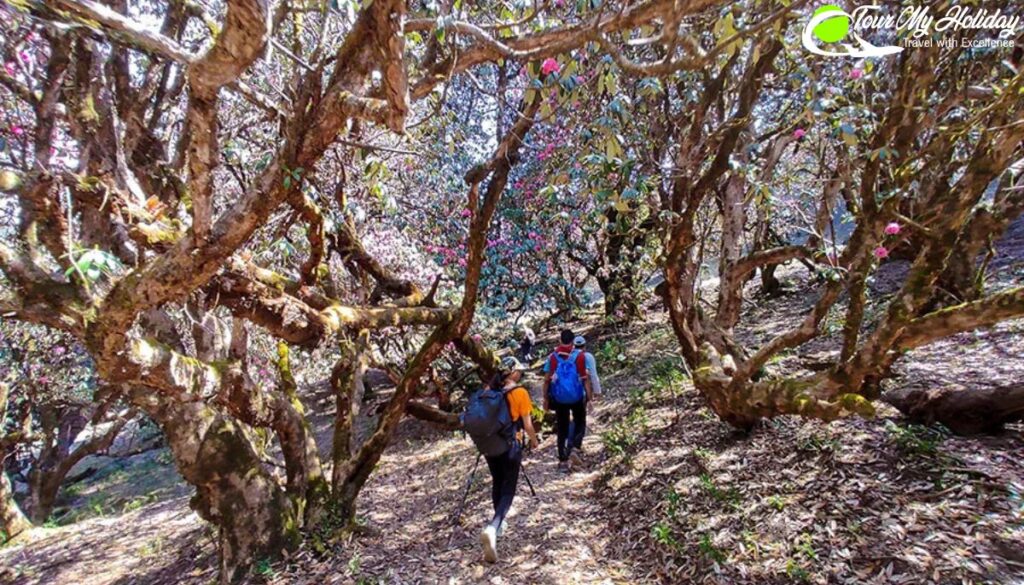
(668, 494)
(557, 537)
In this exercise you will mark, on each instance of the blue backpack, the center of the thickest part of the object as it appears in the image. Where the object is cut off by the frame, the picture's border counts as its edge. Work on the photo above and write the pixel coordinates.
(566, 387)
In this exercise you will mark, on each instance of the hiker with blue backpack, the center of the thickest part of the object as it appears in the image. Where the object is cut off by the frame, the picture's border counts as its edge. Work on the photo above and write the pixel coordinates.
(567, 389)
(496, 419)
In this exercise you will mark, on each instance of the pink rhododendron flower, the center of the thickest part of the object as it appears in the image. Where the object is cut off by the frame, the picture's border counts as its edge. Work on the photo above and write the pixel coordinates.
(477, 337)
(892, 229)
(17, 130)
(9, 68)
(466, 212)
(59, 350)
(881, 252)
(549, 66)
(799, 133)
(856, 73)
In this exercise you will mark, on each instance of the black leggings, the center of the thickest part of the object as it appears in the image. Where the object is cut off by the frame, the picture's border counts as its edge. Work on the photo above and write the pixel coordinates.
(579, 422)
(505, 475)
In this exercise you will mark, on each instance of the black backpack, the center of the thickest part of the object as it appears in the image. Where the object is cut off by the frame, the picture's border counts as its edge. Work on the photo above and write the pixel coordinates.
(488, 421)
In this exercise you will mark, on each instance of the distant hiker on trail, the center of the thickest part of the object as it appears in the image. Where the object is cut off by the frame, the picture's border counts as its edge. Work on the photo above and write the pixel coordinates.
(495, 419)
(567, 389)
(580, 343)
(526, 345)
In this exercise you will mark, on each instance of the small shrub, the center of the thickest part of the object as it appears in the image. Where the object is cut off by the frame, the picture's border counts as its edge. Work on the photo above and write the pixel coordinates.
(917, 439)
(674, 499)
(263, 568)
(777, 502)
(816, 443)
(702, 454)
(152, 548)
(805, 546)
(612, 354)
(624, 434)
(708, 485)
(662, 534)
(795, 571)
(709, 550)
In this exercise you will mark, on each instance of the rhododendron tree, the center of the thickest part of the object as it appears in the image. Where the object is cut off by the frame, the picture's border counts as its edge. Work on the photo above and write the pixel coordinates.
(225, 203)
(195, 205)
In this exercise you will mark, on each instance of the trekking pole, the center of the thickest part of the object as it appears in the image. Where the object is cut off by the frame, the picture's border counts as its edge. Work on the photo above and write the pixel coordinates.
(465, 494)
(528, 482)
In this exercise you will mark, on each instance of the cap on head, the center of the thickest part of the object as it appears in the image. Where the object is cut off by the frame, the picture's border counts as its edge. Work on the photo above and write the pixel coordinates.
(510, 364)
(580, 341)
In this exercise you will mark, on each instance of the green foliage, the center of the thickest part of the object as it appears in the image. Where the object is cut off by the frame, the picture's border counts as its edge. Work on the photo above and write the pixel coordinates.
(818, 443)
(776, 501)
(914, 439)
(805, 546)
(662, 534)
(797, 567)
(730, 496)
(674, 499)
(708, 549)
(153, 547)
(91, 264)
(612, 354)
(795, 571)
(624, 434)
(264, 568)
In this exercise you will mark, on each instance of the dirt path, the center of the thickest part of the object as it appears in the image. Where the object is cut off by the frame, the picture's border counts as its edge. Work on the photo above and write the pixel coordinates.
(409, 504)
(159, 543)
(411, 500)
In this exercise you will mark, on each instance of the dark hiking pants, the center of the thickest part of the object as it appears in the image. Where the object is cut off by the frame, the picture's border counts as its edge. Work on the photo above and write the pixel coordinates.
(505, 475)
(570, 434)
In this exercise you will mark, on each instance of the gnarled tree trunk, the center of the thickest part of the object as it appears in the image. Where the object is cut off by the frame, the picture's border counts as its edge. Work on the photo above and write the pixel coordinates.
(12, 521)
(254, 516)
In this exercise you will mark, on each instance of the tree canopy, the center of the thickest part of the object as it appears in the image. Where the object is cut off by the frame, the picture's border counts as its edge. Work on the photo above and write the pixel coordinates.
(195, 193)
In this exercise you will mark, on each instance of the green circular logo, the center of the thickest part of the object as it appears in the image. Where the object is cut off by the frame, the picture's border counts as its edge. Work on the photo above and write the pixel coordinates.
(832, 29)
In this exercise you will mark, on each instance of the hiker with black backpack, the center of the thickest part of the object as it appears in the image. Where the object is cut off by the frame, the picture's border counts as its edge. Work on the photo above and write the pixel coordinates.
(567, 388)
(496, 418)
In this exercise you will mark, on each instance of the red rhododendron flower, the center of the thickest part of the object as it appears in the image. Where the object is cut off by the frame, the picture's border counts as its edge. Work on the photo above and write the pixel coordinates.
(549, 66)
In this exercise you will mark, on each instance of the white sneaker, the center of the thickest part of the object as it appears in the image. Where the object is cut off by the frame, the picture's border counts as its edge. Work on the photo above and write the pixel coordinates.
(501, 529)
(489, 540)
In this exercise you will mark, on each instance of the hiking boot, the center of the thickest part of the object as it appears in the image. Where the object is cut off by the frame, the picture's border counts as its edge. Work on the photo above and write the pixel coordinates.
(575, 459)
(563, 466)
(489, 541)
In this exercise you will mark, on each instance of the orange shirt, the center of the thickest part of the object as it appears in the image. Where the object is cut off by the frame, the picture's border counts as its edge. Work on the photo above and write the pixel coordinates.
(519, 403)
